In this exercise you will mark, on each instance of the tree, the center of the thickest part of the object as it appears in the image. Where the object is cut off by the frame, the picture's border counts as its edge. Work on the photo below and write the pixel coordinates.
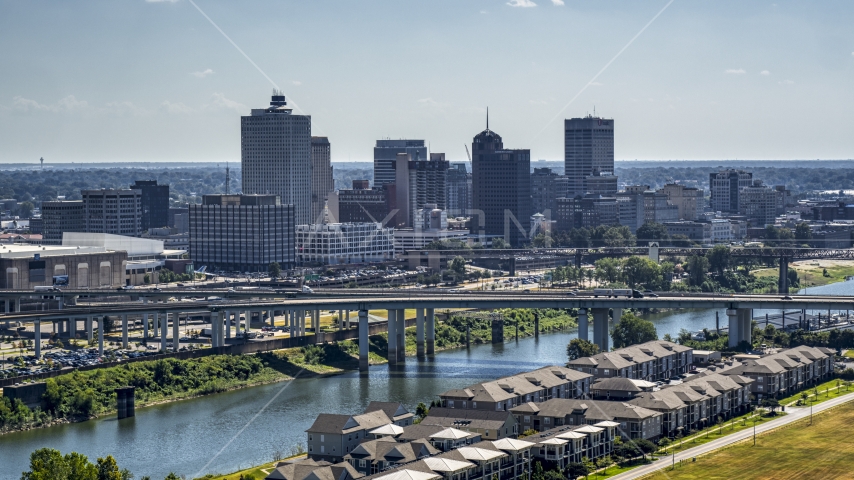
(803, 231)
(46, 464)
(580, 348)
(421, 410)
(458, 265)
(640, 270)
(172, 476)
(697, 267)
(108, 469)
(575, 470)
(652, 232)
(719, 258)
(632, 330)
(25, 209)
(537, 474)
(274, 269)
(499, 243)
(609, 269)
(579, 238)
(109, 324)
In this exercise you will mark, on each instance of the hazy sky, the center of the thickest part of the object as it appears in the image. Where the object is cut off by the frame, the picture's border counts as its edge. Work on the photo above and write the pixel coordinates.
(143, 80)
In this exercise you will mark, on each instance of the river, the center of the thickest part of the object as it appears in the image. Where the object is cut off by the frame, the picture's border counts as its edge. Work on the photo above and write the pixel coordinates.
(229, 431)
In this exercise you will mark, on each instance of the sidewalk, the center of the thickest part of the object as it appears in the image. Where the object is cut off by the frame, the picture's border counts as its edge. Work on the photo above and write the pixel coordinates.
(794, 414)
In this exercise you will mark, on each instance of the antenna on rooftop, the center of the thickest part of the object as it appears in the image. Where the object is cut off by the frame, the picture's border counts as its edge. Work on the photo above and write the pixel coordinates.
(42, 162)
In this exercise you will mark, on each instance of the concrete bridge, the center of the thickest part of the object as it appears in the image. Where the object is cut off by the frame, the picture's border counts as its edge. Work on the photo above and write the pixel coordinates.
(601, 311)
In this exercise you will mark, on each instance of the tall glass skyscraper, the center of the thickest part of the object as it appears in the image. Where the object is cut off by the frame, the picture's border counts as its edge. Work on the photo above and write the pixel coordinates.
(589, 156)
(276, 155)
(385, 155)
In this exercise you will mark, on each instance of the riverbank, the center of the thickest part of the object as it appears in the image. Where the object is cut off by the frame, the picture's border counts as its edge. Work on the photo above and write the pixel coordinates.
(82, 396)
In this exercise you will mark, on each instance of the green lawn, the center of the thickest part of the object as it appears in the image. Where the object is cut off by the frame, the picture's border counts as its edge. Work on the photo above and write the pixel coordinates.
(258, 473)
(797, 451)
(707, 435)
(813, 275)
(826, 391)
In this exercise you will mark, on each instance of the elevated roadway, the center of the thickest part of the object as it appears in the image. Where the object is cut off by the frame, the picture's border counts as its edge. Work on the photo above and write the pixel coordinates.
(601, 309)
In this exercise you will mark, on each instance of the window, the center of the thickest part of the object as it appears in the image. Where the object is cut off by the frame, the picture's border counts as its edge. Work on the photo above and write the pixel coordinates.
(322, 438)
(450, 404)
(473, 404)
(322, 449)
(309, 437)
(527, 419)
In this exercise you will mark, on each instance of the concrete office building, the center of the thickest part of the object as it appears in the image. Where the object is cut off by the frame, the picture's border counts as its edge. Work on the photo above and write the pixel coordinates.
(321, 176)
(154, 202)
(587, 212)
(385, 156)
(725, 187)
(501, 189)
(758, 203)
(362, 204)
(589, 156)
(61, 216)
(344, 243)
(698, 232)
(689, 201)
(275, 155)
(459, 190)
(546, 187)
(114, 211)
(242, 232)
(419, 183)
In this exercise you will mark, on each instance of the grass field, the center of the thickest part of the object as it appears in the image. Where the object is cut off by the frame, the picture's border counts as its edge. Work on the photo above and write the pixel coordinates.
(258, 472)
(797, 451)
(826, 391)
(811, 272)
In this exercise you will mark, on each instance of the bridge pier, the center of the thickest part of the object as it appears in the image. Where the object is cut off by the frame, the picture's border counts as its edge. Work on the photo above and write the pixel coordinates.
(363, 340)
(431, 331)
(176, 334)
(125, 331)
(37, 326)
(583, 327)
(600, 328)
(89, 334)
(419, 332)
(740, 325)
(783, 281)
(72, 328)
(392, 336)
(401, 335)
(101, 337)
(616, 315)
(163, 321)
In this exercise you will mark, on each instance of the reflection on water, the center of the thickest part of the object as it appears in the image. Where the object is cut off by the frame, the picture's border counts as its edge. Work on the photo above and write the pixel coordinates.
(183, 436)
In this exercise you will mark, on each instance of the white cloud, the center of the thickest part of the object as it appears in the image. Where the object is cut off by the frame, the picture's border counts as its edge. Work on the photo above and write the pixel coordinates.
(175, 108)
(67, 104)
(852, 54)
(220, 101)
(125, 108)
(428, 101)
(297, 82)
(787, 82)
(557, 3)
(522, 3)
(203, 73)
(764, 72)
(484, 12)
(735, 71)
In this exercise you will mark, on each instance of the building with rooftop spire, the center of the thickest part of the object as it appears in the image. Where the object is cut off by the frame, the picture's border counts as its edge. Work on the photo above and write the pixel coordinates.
(501, 189)
(276, 155)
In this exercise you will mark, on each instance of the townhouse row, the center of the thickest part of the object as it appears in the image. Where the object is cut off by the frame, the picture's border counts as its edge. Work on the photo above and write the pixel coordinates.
(658, 360)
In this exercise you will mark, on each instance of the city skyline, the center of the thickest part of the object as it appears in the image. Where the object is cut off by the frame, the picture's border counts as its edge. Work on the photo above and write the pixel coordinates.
(701, 81)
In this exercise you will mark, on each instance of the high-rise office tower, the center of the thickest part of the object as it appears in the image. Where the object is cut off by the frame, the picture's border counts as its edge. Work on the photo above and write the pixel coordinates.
(276, 155)
(62, 216)
(155, 203)
(418, 183)
(501, 189)
(321, 177)
(459, 190)
(589, 156)
(725, 187)
(114, 211)
(385, 155)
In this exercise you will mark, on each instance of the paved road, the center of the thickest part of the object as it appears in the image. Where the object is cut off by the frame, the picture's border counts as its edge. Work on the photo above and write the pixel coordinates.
(794, 414)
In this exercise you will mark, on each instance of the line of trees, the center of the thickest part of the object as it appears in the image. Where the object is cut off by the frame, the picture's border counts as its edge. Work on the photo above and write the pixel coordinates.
(51, 464)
